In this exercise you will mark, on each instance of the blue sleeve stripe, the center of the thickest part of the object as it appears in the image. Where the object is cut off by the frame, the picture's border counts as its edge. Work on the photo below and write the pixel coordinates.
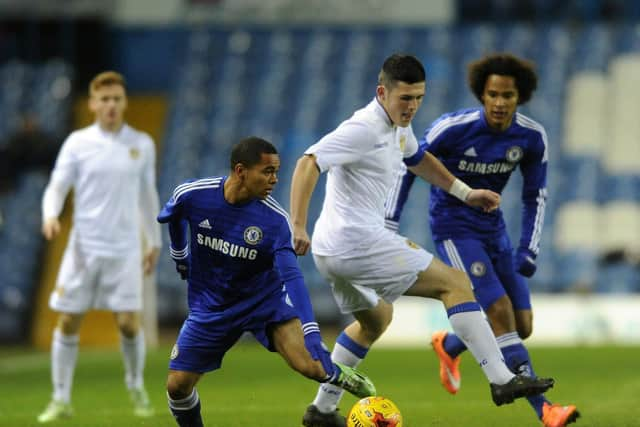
(448, 122)
(415, 158)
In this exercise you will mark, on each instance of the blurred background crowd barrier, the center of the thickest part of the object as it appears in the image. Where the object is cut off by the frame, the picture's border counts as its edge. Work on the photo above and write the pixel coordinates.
(202, 74)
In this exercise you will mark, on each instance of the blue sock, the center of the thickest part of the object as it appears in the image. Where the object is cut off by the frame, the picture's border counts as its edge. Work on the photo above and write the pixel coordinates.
(187, 411)
(359, 351)
(453, 345)
(517, 359)
(348, 352)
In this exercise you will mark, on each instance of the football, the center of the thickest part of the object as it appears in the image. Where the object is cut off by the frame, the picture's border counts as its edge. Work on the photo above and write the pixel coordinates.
(374, 411)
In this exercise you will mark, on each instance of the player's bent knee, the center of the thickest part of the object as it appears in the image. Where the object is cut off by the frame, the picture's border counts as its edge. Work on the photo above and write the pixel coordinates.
(69, 324)
(180, 385)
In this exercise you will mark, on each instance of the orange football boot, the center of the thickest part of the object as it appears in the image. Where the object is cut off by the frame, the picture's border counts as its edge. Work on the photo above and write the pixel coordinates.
(558, 415)
(449, 367)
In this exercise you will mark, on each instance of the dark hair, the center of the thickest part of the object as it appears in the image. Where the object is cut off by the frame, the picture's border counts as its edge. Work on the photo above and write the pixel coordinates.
(503, 64)
(249, 151)
(401, 68)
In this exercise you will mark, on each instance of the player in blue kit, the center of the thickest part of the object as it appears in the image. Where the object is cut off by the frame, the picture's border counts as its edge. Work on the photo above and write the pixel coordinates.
(232, 242)
(482, 146)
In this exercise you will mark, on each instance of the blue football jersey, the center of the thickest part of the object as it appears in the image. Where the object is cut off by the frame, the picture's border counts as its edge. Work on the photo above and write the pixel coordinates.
(483, 158)
(232, 248)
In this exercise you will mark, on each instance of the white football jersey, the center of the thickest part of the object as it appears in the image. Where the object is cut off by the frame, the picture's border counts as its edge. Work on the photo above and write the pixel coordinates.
(113, 178)
(361, 156)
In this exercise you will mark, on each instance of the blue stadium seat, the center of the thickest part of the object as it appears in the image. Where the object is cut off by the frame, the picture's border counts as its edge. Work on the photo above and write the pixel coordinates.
(618, 278)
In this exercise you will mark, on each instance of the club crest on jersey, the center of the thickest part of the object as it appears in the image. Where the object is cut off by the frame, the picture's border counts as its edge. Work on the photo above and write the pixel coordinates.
(478, 269)
(134, 153)
(403, 142)
(174, 352)
(514, 154)
(412, 244)
(252, 235)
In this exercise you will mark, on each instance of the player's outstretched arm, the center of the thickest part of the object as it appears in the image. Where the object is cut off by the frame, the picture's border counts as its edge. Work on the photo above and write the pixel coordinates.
(433, 171)
(303, 182)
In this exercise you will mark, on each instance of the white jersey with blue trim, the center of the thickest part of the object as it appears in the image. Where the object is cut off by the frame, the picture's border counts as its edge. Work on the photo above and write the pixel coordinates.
(115, 196)
(483, 158)
(361, 156)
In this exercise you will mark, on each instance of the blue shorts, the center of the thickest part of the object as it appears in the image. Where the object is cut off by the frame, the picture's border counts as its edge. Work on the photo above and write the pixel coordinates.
(489, 265)
(204, 339)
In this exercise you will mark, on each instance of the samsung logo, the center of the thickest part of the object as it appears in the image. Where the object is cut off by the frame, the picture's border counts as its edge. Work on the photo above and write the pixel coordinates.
(227, 248)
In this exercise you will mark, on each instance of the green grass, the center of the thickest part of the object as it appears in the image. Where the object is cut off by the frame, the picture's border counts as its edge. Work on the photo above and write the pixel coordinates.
(256, 388)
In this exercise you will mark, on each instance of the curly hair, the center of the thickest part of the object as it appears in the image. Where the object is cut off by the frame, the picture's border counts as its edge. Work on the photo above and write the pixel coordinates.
(503, 64)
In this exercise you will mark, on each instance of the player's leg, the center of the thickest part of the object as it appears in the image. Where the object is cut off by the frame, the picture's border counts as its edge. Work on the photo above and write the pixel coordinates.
(288, 341)
(120, 291)
(510, 338)
(453, 288)
(372, 314)
(71, 299)
(183, 398)
(133, 349)
(474, 257)
(199, 348)
(64, 355)
(524, 322)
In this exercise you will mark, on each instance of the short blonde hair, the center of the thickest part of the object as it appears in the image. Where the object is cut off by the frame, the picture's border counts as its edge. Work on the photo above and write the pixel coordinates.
(106, 78)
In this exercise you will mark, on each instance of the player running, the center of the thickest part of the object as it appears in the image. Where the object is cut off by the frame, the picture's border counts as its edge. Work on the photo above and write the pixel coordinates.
(368, 266)
(483, 146)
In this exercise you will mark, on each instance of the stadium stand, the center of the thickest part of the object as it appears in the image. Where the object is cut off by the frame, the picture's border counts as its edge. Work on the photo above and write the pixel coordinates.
(291, 84)
(45, 91)
(284, 83)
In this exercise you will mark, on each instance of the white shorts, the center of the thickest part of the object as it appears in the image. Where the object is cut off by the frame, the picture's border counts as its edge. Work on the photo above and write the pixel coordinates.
(385, 270)
(88, 281)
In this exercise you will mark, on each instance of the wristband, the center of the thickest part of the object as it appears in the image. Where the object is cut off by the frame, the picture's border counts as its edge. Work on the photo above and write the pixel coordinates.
(460, 190)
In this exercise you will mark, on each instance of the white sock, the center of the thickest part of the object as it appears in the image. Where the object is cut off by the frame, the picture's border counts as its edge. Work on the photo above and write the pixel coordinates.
(329, 395)
(133, 355)
(64, 354)
(472, 328)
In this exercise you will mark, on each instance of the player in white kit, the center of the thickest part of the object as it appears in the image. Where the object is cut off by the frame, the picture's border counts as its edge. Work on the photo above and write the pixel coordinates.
(111, 168)
(368, 266)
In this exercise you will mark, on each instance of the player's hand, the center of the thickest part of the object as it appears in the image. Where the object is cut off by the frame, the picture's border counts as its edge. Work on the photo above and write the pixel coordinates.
(183, 268)
(301, 240)
(50, 228)
(485, 199)
(316, 348)
(525, 262)
(150, 260)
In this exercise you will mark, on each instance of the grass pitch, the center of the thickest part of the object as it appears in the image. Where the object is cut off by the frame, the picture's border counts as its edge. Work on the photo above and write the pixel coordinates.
(256, 388)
